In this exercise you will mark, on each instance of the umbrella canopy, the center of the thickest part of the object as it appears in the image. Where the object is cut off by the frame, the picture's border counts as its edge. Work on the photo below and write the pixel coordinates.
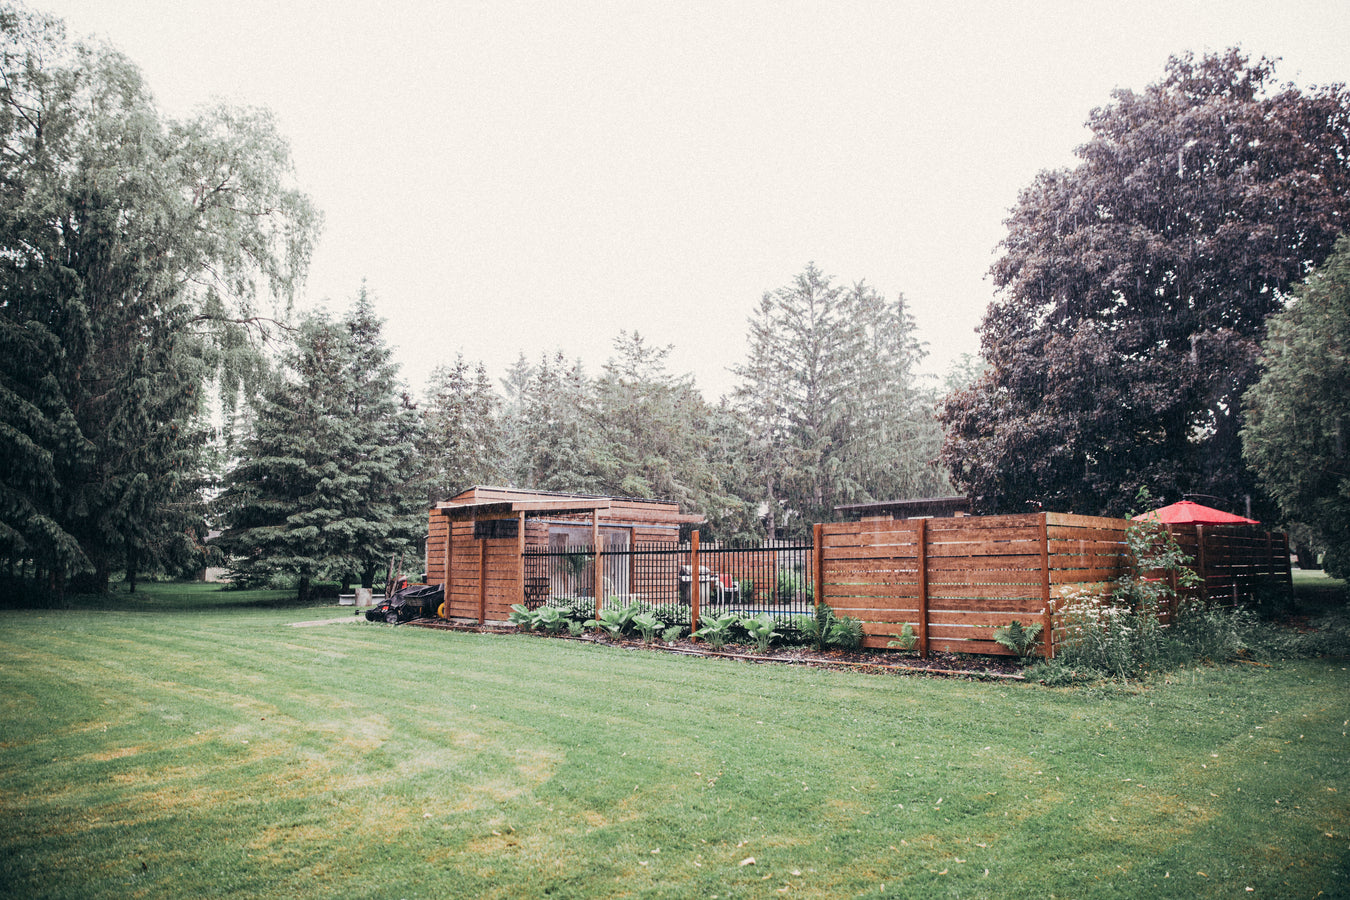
(1187, 511)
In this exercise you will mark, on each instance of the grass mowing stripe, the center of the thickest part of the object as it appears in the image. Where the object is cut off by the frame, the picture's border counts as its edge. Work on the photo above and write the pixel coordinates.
(246, 758)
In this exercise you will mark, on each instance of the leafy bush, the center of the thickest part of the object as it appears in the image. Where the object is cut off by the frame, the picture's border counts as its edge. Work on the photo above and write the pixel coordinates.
(647, 624)
(790, 631)
(576, 609)
(1120, 636)
(549, 619)
(616, 622)
(671, 614)
(825, 629)
(846, 633)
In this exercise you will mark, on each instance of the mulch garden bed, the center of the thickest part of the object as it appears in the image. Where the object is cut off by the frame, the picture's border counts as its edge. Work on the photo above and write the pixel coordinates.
(961, 665)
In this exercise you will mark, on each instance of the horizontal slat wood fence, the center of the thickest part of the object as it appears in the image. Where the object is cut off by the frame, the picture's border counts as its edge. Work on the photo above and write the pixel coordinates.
(956, 580)
(1236, 562)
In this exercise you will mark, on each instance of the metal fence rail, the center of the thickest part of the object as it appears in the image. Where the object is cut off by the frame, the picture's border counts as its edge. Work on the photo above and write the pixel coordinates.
(774, 578)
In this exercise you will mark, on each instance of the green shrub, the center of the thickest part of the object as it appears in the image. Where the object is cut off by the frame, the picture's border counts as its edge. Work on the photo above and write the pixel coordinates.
(846, 633)
(1120, 636)
(615, 622)
(825, 629)
(671, 614)
(647, 624)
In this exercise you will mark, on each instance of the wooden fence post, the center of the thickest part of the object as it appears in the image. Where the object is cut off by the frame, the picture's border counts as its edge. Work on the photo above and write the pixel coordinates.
(695, 582)
(449, 557)
(1288, 566)
(921, 563)
(520, 554)
(1200, 565)
(597, 563)
(818, 563)
(1048, 628)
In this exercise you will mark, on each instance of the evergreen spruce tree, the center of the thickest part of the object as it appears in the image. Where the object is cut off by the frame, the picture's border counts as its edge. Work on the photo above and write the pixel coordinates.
(325, 485)
(832, 404)
(463, 442)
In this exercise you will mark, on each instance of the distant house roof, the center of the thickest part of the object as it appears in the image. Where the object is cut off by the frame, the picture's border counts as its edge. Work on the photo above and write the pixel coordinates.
(927, 507)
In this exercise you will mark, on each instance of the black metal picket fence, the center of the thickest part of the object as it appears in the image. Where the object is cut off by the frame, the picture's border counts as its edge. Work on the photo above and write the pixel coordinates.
(773, 577)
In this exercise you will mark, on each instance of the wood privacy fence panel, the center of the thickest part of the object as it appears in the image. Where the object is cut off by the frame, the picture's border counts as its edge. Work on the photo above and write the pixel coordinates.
(956, 580)
(1084, 555)
(1236, 562)
(471, 595)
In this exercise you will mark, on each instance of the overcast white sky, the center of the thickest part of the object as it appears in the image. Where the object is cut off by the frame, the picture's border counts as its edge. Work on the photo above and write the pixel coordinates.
(538, 176)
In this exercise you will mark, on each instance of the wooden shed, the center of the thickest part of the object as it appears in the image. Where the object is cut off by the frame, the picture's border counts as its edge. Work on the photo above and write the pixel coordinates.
(478, 539)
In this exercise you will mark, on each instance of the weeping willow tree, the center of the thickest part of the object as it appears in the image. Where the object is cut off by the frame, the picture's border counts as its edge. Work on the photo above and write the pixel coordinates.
(137, 253)
(1134, 290)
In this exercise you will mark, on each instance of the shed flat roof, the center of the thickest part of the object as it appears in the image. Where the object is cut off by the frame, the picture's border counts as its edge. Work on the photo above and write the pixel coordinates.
(492, 508)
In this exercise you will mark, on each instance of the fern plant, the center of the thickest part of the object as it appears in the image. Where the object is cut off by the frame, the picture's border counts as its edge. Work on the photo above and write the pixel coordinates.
(1017, 637)
(906, 639)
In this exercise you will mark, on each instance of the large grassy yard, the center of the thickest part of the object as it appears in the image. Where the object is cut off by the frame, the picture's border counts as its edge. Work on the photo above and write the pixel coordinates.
(193, 743)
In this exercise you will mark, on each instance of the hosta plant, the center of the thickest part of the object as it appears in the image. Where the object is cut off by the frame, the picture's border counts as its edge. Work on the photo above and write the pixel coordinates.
(521, 617)
(761, 630)
(717, 631)
(647, 625)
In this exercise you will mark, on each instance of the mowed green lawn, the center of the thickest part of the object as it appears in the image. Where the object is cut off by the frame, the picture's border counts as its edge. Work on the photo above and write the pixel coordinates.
(194, 744)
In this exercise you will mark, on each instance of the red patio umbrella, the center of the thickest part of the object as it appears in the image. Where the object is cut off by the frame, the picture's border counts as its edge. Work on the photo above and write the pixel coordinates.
(1187, 511)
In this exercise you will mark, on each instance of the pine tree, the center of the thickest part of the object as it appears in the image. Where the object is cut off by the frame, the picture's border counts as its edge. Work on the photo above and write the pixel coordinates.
(463, 440)
(559, 442)
(325, 485)
(834, 409)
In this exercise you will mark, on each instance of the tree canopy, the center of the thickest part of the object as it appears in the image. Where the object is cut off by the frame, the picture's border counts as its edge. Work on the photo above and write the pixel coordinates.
(1134, 289)
(1297, 431)
(134, 252)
